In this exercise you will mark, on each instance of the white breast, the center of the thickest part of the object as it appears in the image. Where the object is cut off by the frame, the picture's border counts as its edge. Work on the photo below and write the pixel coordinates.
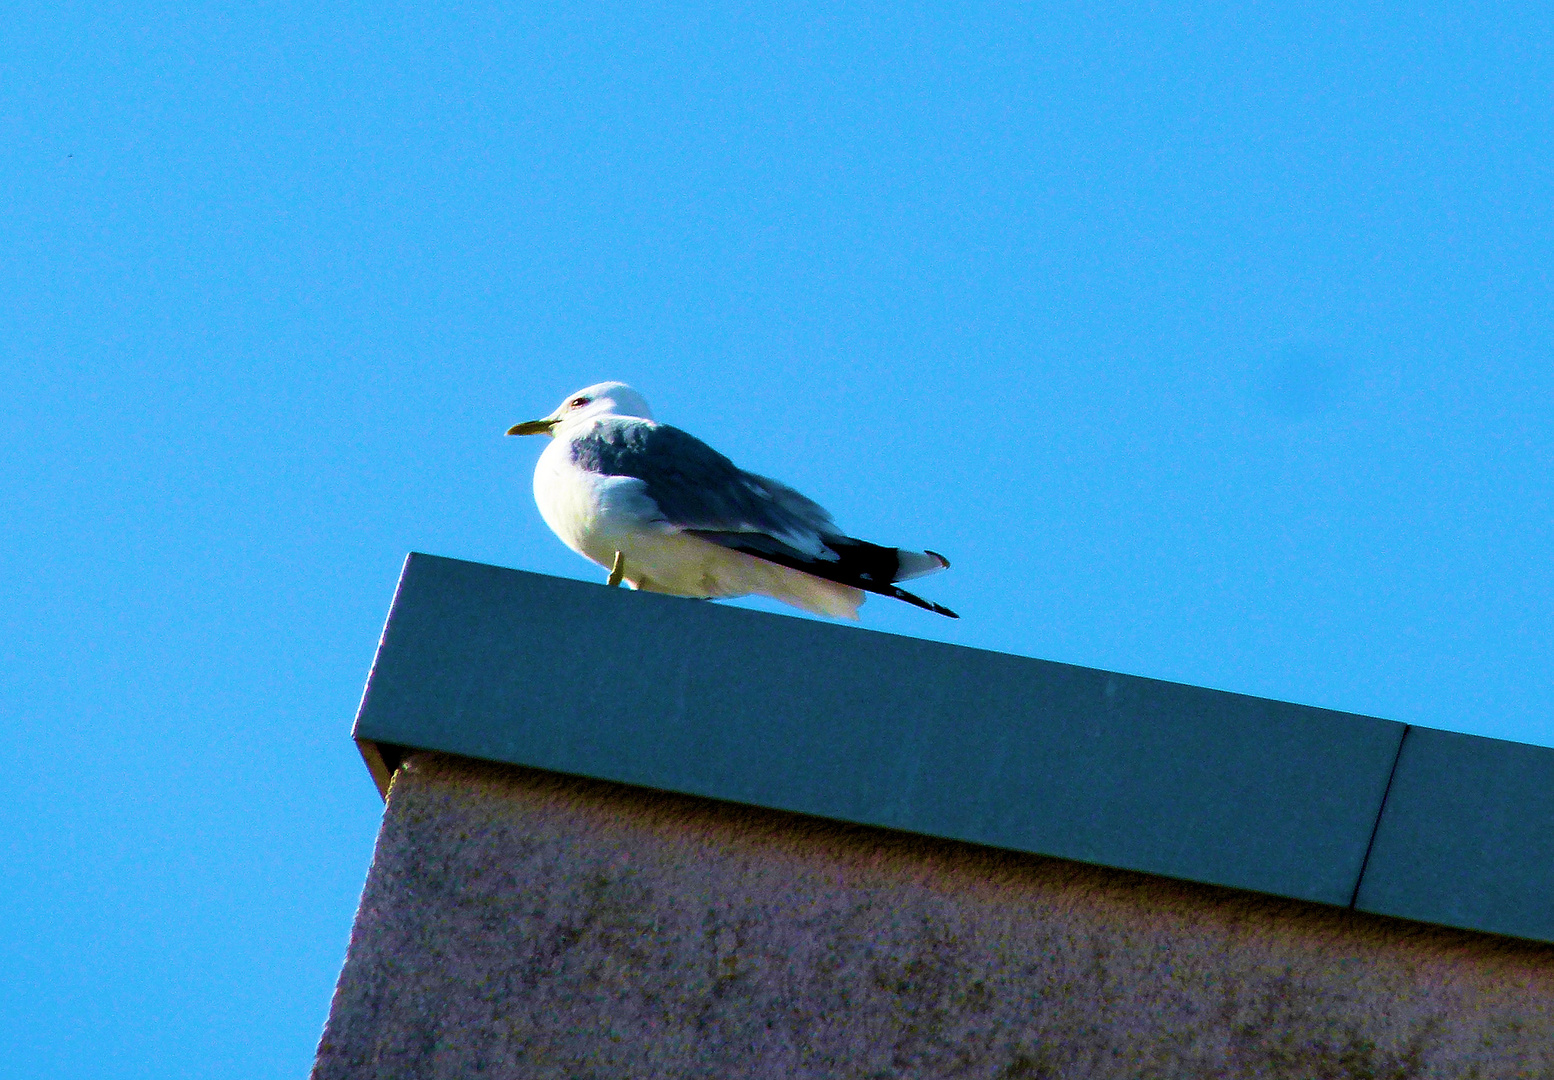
(593, 515)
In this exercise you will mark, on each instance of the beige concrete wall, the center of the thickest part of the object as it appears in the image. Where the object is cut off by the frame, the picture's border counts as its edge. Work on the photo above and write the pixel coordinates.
(519, 924)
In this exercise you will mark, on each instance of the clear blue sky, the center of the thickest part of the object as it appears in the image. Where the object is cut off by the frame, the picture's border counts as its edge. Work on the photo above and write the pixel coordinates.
(1211, 343)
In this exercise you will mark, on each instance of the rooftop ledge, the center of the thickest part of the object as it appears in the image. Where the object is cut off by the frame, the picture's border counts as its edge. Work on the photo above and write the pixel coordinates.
(946, 741)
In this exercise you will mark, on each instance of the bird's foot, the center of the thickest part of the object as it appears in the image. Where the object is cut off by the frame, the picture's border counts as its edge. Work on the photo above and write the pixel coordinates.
(618, 571)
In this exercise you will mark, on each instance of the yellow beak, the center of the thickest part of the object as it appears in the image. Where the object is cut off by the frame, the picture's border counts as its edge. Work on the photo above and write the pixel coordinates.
(533, 427)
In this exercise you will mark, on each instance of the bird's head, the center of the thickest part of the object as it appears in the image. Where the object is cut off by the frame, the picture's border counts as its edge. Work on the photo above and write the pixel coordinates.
(590, 403)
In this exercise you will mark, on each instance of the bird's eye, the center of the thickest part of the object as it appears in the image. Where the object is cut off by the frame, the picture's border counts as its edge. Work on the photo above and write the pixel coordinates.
(578, 402)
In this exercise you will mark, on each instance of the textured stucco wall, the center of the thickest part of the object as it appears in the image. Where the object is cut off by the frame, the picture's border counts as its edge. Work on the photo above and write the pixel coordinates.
(521, 924)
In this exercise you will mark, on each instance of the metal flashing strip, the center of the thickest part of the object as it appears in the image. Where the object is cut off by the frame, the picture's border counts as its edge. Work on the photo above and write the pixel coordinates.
(1466, 838)
(873, 729)
(964, 744)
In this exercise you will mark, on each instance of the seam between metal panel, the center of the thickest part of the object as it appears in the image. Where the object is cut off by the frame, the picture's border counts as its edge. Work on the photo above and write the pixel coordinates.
(1354, 897)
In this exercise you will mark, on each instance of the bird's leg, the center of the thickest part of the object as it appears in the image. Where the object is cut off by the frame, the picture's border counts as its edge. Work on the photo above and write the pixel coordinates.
(618, 571)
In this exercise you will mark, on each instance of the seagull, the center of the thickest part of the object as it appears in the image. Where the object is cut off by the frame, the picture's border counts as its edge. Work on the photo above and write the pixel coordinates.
(666, 513)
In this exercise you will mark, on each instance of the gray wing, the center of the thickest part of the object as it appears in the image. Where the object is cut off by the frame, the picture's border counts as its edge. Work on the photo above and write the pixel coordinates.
(697, 488)
(704, 493)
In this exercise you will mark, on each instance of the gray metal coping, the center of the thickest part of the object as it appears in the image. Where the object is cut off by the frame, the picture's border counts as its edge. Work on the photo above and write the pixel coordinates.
(964, 744)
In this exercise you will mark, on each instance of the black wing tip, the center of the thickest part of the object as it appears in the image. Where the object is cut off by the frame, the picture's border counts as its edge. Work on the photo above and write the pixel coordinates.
(926, 605)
